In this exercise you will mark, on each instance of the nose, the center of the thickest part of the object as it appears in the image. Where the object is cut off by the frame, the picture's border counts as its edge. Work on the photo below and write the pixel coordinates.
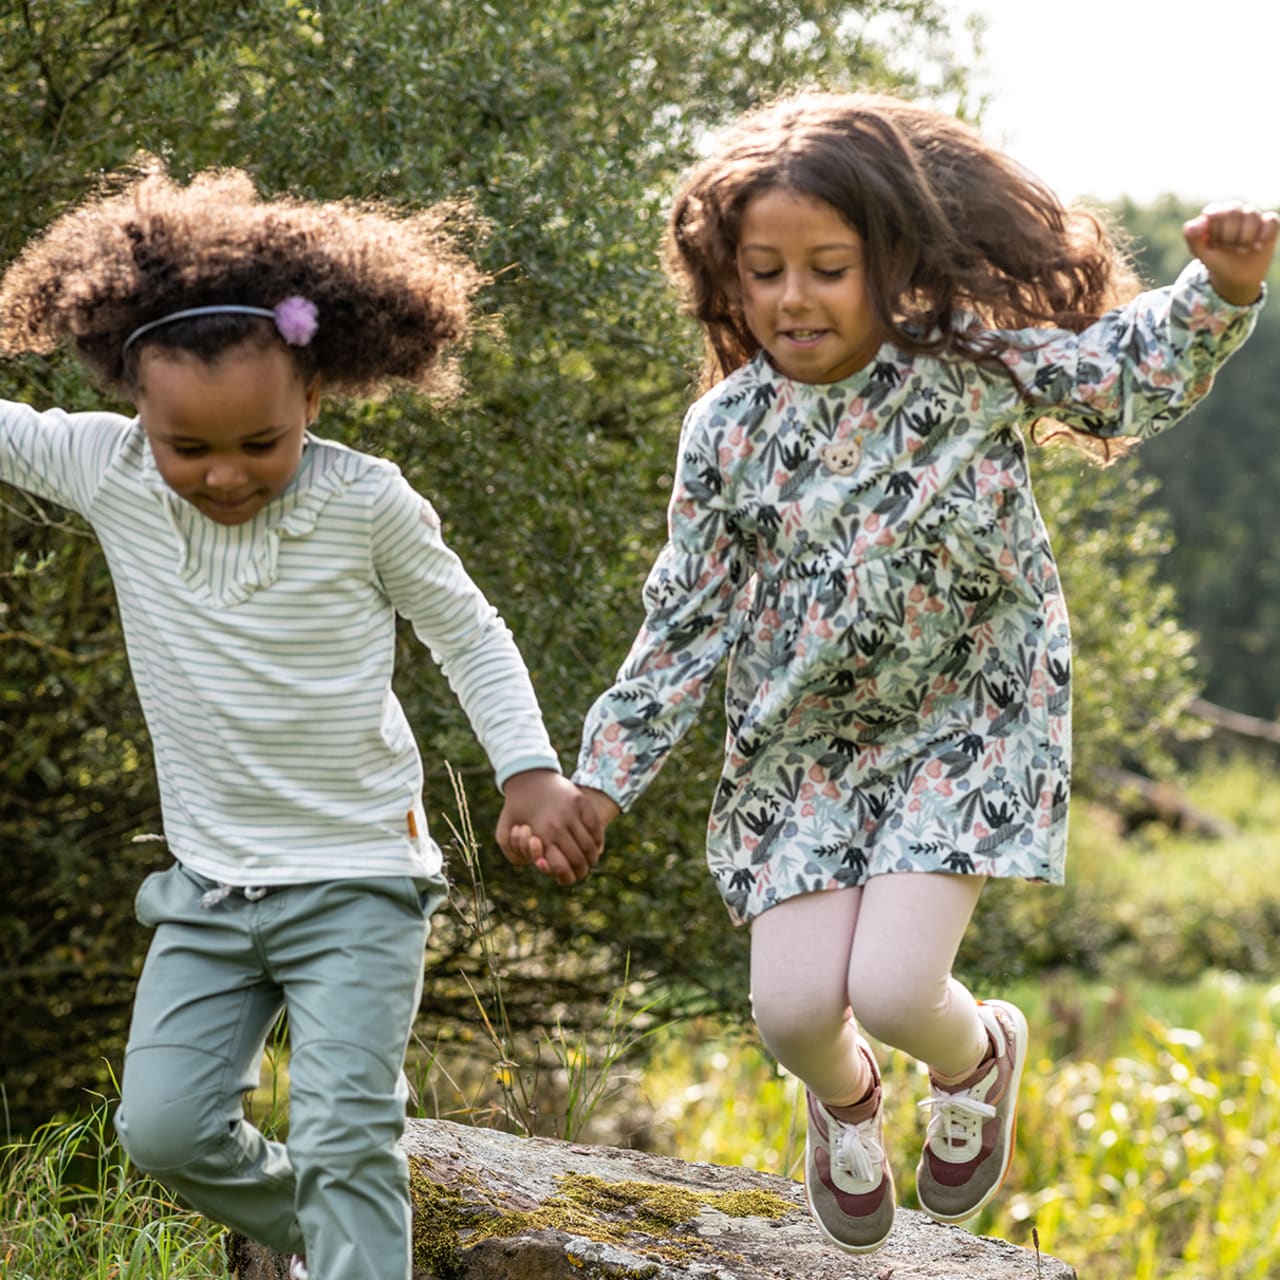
(794, 293)
(224, 475)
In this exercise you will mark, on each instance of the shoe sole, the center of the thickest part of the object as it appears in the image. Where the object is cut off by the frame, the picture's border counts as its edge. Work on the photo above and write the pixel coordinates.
(842, 1245)
(1015, 1082)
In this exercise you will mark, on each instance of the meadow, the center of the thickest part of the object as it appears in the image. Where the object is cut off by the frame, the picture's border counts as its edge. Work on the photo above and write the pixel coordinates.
(1148, 1105)
(1148, 1156)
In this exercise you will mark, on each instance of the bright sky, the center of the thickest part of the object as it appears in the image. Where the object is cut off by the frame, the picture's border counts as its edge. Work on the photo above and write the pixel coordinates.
(1108, 98)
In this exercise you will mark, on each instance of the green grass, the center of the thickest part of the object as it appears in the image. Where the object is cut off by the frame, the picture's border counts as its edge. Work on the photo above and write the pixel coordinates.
(1144, 1143)
(71, 1209)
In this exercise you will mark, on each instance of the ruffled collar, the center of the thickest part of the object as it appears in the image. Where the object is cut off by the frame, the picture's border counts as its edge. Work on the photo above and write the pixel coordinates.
(224, 565)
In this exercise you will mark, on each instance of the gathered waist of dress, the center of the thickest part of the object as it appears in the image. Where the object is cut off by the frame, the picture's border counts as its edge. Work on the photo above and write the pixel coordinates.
(893, 562)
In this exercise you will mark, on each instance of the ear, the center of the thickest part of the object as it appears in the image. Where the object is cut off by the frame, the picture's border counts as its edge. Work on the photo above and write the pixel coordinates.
(313, 399)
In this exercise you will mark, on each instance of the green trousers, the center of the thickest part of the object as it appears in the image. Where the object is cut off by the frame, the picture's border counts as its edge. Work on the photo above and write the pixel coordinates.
(345, 958)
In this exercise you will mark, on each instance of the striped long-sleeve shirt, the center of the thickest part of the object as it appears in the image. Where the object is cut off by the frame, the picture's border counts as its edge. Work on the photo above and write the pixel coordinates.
(262, 653)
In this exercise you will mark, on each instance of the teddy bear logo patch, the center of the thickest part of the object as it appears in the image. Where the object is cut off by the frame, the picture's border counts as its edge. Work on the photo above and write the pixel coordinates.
(842, 457)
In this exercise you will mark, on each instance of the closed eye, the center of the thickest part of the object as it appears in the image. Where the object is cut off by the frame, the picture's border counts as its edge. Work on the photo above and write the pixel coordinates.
(255, 447)
(823, 273)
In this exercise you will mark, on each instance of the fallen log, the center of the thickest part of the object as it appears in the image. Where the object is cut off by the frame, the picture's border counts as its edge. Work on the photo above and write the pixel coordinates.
(1236, 722)
(1138, 799)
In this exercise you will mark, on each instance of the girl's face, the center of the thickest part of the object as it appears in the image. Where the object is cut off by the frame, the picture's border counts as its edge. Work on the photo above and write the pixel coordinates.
(226, 436)
(802, 277)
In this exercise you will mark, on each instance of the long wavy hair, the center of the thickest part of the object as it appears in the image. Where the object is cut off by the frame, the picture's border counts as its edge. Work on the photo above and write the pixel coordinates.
(391, 289)
(949, 223)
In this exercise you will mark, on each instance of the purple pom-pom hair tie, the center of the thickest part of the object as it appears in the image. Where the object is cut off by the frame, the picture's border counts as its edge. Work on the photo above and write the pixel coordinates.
(296, 319)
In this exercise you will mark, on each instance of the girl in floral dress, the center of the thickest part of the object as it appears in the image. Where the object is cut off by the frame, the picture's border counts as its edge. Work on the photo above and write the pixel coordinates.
(888, 305)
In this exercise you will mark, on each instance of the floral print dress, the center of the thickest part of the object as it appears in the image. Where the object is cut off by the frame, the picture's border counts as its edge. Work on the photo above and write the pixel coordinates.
(868, 555)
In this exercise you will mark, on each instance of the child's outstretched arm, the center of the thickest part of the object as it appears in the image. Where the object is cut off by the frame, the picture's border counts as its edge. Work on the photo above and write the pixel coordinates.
(57, 455)
(1236, 243)
(525, 848)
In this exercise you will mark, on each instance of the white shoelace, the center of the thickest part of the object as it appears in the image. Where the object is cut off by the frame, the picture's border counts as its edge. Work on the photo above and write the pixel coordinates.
(957, 1119)
(857, 1156)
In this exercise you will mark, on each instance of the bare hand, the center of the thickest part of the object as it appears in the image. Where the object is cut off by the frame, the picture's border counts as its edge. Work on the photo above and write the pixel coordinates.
(1236, 243)
(570, 832)
(528, 849)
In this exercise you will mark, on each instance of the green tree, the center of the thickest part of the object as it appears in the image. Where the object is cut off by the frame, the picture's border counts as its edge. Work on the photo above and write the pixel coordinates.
(1218, 474)
(565, 124)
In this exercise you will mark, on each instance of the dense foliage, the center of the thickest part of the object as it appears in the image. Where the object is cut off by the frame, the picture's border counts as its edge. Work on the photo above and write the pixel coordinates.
(1219, 473)
(564, 124)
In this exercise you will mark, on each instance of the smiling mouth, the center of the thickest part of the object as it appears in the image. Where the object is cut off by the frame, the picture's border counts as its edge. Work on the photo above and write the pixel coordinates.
(228, 504)
(803, 335)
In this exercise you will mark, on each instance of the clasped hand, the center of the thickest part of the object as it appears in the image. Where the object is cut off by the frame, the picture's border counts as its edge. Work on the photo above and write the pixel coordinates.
(549, 823)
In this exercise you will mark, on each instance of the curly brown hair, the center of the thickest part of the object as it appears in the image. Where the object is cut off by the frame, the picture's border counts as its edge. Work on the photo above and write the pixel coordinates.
(391, 289)
(949, 224)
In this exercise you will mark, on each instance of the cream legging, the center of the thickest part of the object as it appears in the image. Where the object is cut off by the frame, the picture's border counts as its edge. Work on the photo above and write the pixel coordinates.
(878, 957)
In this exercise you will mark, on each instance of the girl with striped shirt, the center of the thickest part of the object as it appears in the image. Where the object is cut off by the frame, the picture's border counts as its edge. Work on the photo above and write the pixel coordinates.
(259, 571)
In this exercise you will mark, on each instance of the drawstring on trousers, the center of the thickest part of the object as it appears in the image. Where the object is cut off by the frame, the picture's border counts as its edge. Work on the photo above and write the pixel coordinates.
(221, 892)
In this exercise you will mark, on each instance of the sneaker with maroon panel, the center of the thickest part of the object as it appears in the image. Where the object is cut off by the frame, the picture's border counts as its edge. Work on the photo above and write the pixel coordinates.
(847, 1180)
(969, 1145)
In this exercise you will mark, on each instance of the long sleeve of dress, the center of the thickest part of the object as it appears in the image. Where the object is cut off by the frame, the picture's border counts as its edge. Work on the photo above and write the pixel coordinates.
(692, 600)
(473, 647)
(1139, 368)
